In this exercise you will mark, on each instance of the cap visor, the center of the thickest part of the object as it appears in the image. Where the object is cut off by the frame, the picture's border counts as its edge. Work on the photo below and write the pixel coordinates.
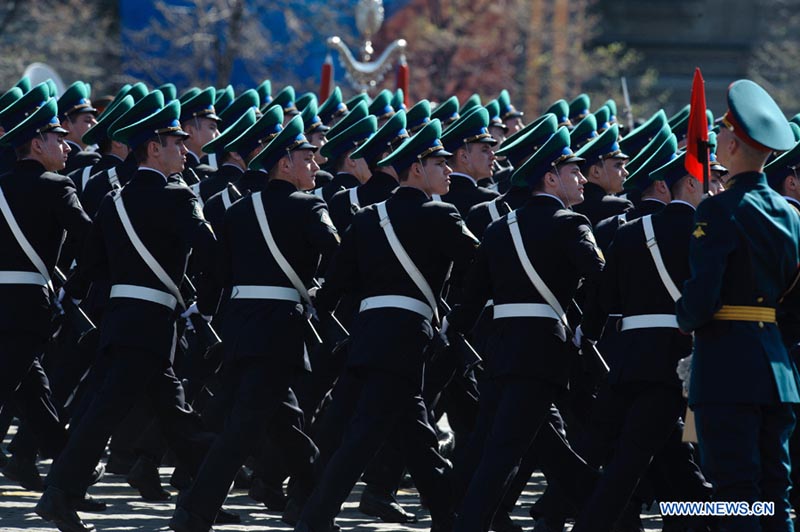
(440, 153)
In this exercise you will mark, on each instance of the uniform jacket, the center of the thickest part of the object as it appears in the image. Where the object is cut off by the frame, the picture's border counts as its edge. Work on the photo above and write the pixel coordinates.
(744, 251)
(215, 181)
(605, 230)
(631, 286)
(561, 247)
(340, 181)
(44, 204)
(597, 205)
(214, 208)
(99, 185)
(169, 222)
(479, 216)
(303, 232)
(106, 161)
(433, 235)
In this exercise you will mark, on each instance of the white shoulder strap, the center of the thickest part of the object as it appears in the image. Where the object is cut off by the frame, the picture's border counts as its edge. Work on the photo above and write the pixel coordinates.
(23, 241)
(212, 161)
(113, 179)
(622, 217)
(196, 189)
(142, 250)
(652, 244)
(354, 197)
(493, 212)
(533, 275)
(283, 264)
(436, 197)
(226, 198)
(318, 193)
(405, 260)
(85, 175)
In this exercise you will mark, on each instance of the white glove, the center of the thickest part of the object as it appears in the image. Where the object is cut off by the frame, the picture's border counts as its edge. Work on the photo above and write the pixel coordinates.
(577, 338)
(193, 310)
(684, 371)
(312, 292)
(62, 294)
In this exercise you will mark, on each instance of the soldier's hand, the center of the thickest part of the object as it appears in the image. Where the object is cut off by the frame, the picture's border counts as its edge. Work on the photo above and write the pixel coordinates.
(578, 338)
(192, 310)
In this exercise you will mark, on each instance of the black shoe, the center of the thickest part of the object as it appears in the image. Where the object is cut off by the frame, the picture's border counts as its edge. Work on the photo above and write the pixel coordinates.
(243, 480)
(88, 503)
(272, 496)
(184, 521)
(144, 477)
(384, 506)
(54, 506)
(291, 515)
(120, 463)
(502, 522)
(224, 517)
(24, 472)
(180, 479)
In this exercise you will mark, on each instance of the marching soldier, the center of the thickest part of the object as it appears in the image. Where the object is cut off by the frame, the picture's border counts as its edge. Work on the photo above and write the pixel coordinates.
(536, 249)
(199, 119)
(347, 172)
(783, 178)
(333, 108)
(509, 114)
(446, 112)
(264, 322)
(345, 181)
(744, 256)
(646, 263)
(316, 130)
(143, 236)
(77, 116)
(383, 379)
(31, 238)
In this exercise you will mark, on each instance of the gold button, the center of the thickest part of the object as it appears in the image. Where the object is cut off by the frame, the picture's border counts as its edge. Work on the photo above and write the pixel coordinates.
(760, 300)
(761, 324)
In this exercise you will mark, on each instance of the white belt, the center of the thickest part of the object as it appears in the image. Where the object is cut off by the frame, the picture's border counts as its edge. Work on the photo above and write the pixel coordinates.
(265, 292)
(22, 278)
(525, 310)
(403, 302)
(145, 294)
(649, 321)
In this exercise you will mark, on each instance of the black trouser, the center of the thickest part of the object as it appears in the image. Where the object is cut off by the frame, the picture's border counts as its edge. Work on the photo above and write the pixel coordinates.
(24, 383)
(262, 401)
(641, 420)
(131, 374)
(386, 407)
(513, 421)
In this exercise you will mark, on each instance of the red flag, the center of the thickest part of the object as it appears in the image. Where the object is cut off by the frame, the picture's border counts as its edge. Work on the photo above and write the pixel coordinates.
(327, 78)
(697, 135)
(402, 78)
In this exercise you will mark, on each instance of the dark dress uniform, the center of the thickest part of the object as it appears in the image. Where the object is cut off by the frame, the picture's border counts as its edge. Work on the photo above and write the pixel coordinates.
(79, 158)
(526, 382)
(44, 204)
(481, 215)
(605, 229)
(643, 400)
(378, 188)
(597, 205)
(81, 176)
(168, 221)
(100, 183)
(387, 356)
(264, 346)
(215, 181)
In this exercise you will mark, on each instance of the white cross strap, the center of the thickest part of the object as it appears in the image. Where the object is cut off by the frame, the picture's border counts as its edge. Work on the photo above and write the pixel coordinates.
(283, 264)
(405, 261)
(26, 246)
(354, 197)
(652, 244)
(533, 275)
(142, 250)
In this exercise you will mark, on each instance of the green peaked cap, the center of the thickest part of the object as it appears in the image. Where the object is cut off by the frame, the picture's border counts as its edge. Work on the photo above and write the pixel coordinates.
(43, 120)
(289, 139)
(579, 107)
(645, 153)
(585, 131)
(637, 139)
(418, 116)
(426, 143)
(99, 132)
(350, 138)
(756, 118)
(555, 151)
(332, 107)
(249, 99)
(261, 133)
(144, 107)
(639, 179)
(170, 92)
(389, 136)
(356, 113)
(162, 123)
(446, 112)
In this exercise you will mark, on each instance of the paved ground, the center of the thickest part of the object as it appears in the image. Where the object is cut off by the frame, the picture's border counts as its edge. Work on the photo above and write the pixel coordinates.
(127, 511)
